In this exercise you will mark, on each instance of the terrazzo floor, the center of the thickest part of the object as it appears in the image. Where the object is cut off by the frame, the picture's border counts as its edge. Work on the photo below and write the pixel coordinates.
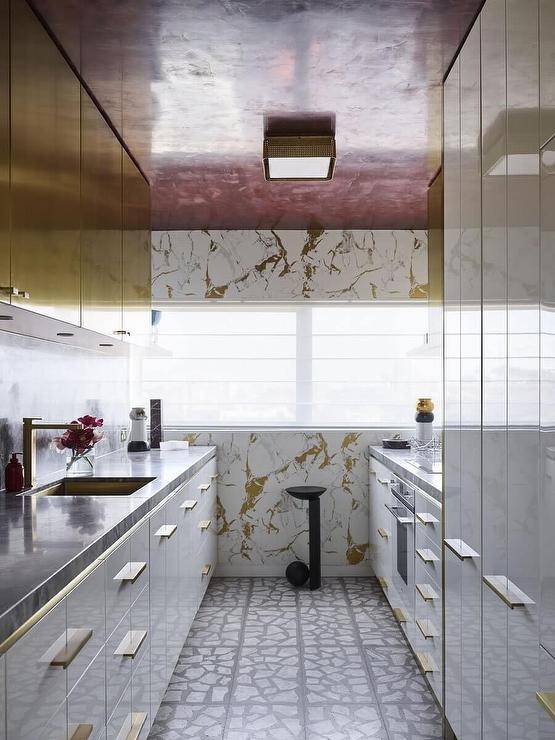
(265, 661)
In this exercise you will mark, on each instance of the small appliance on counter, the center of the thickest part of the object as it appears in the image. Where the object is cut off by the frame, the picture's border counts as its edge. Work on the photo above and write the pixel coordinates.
(138, 439)
(424, 420)
(396, 443)
(13, 477)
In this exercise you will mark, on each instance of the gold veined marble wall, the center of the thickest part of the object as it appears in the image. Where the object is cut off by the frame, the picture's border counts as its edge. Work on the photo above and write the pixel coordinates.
(289, 265)
(262, 529)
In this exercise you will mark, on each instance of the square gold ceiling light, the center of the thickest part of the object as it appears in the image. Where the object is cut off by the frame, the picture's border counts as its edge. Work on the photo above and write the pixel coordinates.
(299, 157)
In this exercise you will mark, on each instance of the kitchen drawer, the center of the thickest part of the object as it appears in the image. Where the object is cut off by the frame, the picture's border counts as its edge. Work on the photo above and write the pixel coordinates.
(140, 626)
(207, 565)
(140, 695)
(55, 728)
(428, 573)
(427, 560)
(120, 720)
(157, 609)
(127, 573)
(174, 634)
(546, 696)
(35, 688)
(118, 667)
(86, 704)
(2, 697)
(86, 610)
(427, 514)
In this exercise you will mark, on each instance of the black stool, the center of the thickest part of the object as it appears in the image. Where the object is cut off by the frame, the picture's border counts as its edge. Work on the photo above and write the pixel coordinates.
(312, 495)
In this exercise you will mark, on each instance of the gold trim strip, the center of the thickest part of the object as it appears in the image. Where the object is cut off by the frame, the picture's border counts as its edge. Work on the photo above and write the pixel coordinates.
(204, 524)
(427, 628)
(547, 700)
(384, 481)
(204, 487)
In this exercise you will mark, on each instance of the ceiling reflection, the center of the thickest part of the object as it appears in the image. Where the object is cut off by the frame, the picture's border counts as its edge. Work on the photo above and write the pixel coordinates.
(187, 84)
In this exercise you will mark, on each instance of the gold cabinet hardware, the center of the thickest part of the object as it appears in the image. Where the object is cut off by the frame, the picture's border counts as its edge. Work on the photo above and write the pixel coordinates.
(507, 591)
(425, 518)
(427, 628)
(400, 615)
(383, 533)
(131, 643)
(426, 663)
(130, 572)
(204, 524)
(428, 556)
(214, 476)
(206, 569)
(122, 332)
(80, 732)
(384, 583)
(166, 530)
(426, 592)
(461, 549)
(132, 726)
(547, 700)
(189, 504)
(384, 481)
(67, 647)
(373, 472)
(204, 487)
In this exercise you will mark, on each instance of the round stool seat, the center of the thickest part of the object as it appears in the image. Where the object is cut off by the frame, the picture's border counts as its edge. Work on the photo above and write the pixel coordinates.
(306, 493)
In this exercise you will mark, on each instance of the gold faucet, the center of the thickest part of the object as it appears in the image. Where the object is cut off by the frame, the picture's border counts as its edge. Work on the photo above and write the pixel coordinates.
(29, 446)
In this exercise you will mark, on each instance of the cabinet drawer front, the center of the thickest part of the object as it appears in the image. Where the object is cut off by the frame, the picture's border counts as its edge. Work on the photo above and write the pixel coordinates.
(427, 557)
(118, 667)
(140, 694)
(428, 573)
(546, 695)
(427, 518)
(120, 721)
(139, 550)
(56, 728)
(86, 704)
(118, 593)
(140, 624)
(207, 564)
(86, 610)
(35, 689)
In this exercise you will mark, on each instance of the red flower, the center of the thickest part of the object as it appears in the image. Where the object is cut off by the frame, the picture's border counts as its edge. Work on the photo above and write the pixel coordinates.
(80, 440)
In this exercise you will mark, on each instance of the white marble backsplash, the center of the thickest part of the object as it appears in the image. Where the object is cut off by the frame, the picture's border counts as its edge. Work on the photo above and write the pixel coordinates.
(289, 265)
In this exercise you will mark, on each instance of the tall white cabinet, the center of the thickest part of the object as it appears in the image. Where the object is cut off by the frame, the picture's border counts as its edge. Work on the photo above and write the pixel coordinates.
(499, 445)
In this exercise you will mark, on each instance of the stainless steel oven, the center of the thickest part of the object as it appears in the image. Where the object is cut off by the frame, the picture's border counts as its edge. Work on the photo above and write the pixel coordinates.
(401, 509)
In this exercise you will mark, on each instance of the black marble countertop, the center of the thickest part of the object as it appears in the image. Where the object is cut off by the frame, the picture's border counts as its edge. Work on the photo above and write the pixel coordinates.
(46, 541)
(399, 462)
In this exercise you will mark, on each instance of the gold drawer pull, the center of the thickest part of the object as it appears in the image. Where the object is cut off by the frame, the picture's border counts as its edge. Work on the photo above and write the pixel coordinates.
(80, 732)
(206, 569)
(131, 643)
(383, 533)
(428, 556)
(507, 591)
(426, 591)
(130, 572)
(204, 524)
(132, 726)
(189, 504)
(400, 615)
(373, 472)
(384, 583)
(425, 518)
(384, 481)
(427, 628)
(67, 647)
(204, 487)
(166, 530)
(547, 700)
(214, 476)
(426, 663)
(461, 549)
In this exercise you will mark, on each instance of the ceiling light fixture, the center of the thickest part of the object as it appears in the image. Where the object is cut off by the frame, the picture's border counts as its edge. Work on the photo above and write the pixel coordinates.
(299, 157)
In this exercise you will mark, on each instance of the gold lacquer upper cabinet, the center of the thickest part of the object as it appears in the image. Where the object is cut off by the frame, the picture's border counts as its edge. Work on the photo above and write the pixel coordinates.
(5, 290)
(45, 252)
(136, 253)
(101, 222)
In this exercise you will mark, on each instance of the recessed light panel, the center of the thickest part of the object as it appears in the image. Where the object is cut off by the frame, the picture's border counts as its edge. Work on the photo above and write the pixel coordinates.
(299, 157)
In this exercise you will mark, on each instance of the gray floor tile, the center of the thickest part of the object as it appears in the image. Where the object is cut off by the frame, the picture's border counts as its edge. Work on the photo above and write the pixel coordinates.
(214, 627)
(265, 722)
(420, 721)
(327, 626)
(179, 721)
(344, 722)
(269, 674)
(203, 675)
(270, 626)
(336, 673)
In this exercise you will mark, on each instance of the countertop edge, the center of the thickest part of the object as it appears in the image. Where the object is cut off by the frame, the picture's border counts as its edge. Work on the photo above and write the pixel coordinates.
(406, 471)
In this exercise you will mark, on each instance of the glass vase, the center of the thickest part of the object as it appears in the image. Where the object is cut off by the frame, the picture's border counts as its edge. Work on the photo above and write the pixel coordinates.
(80, 464)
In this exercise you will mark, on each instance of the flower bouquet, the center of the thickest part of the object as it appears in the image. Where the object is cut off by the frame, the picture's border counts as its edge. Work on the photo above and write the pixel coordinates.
(79, 444)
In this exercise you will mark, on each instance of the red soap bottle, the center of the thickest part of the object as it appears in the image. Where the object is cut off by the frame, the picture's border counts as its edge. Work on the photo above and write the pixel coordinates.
(14, 474)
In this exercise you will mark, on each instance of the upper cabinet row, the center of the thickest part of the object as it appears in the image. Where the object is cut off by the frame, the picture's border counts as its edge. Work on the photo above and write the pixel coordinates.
(74, 208)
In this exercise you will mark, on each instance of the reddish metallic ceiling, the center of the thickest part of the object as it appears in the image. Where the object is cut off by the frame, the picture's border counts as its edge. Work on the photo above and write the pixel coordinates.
(187, 84)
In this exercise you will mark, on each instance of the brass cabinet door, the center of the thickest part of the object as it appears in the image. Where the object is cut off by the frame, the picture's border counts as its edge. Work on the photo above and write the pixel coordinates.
(101, 223)
(45, 252)
(136, 253)
(4, 152)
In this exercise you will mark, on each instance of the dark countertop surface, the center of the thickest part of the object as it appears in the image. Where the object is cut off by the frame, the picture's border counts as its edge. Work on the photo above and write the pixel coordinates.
(47, 541)
(400, 463)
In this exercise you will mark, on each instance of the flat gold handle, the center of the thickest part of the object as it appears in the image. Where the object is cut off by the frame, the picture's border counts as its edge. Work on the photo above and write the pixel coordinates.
(428, 556)
(80, 732)
(427, 628)
(214, 476)
(130, 572)
(131, 643)
(189, 504)
(426, 663)
(547, 700)
(384, 583)
(425, 518)
(204, 524)
(507, 591)
(383, 533)
(373, 472)
(206, 569)
(166, 530)
(67, 647)
(132, 726)
(426, 592)
(122, 332)
(204, 487)
(384, 481)
(461, 549)
(400, 615)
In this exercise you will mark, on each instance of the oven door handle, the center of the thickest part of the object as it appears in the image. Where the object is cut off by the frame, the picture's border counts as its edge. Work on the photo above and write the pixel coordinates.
(400, 519)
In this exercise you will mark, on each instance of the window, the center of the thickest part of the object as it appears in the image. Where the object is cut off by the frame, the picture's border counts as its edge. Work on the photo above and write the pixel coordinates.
(293, 365)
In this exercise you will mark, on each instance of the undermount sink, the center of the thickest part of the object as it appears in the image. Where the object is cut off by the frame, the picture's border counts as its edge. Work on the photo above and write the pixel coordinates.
(93, 487)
